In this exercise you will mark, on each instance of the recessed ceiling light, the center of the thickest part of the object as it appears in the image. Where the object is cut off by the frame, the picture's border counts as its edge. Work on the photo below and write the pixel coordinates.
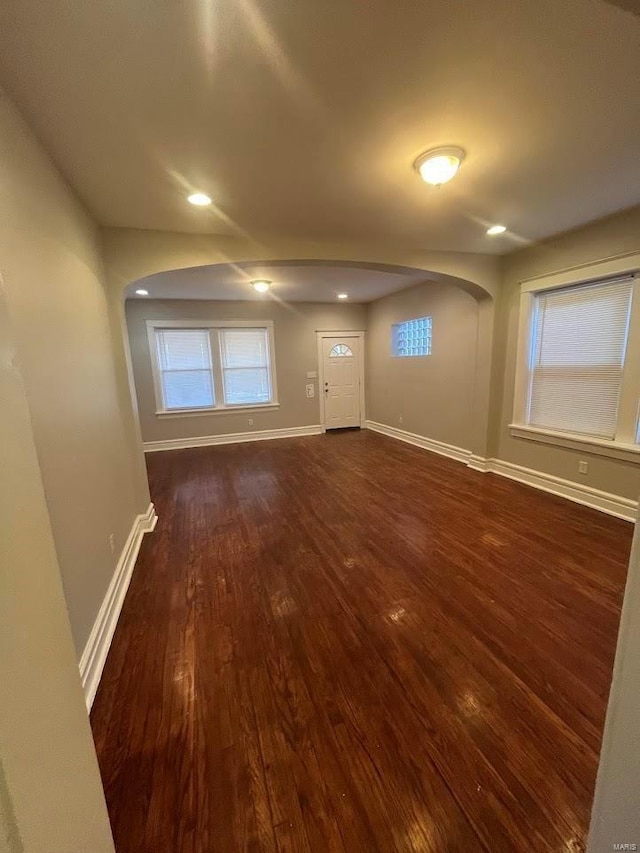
(199, 199)
(262, 285)
(439, 165)
(142, 292)
(496, 229)
(343, 296)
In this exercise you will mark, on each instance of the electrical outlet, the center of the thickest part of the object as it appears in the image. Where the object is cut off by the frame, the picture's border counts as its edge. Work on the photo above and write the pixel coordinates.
(250, 421)
(311, 390)
(112, 543)
(583, 467)
(400, 419)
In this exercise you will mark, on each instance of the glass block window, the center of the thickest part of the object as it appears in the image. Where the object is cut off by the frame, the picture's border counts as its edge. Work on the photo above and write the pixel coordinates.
(411, 338)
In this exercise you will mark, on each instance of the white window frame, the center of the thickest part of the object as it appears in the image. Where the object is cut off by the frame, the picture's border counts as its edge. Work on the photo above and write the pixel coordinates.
(624, 445)
(213, 326)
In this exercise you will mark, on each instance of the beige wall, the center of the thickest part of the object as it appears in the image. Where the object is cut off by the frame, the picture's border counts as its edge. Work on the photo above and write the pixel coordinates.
(434, 395)
(613, 236)
(296, 353)
(51, 798)
(131, 254)
(51, 268)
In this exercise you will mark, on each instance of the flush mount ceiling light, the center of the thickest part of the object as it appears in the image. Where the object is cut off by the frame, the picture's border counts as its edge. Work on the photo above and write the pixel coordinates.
(261, 285)
(439, 165)
(142, 292)
(496, 229)
(343, 295)
(199, 199)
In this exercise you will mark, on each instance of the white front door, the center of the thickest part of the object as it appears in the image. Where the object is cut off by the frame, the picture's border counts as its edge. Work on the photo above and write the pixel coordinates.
(341, 375)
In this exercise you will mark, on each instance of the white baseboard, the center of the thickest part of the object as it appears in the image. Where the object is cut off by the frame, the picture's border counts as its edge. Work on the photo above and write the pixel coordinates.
(457, 453)
(576, 492)
(231, 438)
(479, 463)
(586, 495)
(95, 652)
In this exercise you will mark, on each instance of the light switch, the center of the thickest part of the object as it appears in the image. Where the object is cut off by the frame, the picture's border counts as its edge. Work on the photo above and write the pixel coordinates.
(312, 374)
(311, 390)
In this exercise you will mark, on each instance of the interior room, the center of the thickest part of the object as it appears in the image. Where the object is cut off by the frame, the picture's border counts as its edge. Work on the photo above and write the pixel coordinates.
(320, 434)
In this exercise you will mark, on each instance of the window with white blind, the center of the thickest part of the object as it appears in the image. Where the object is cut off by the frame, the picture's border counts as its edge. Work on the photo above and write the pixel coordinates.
(211, 366)
(577, 358)
(184, 368)
(245, 366)
(578, 375)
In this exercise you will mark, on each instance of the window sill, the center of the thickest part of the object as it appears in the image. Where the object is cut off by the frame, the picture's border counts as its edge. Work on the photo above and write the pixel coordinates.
(585, 443)
(215, 410)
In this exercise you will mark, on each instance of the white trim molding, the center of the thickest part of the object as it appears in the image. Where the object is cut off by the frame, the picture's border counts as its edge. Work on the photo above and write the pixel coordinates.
(623, 445)
(628, 262)
(231, 438)
(228, 410)
(586, 495)
(214, 328)
(479, 463)
(606, 502)
(439, 447)
(321, 335)
(95, 652)
(583, 443)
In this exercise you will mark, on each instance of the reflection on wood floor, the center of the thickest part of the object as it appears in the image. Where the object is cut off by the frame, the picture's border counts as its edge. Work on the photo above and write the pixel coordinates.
(343, 643)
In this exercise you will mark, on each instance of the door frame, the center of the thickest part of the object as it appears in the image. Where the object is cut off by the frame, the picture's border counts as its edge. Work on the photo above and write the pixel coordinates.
(340, 333)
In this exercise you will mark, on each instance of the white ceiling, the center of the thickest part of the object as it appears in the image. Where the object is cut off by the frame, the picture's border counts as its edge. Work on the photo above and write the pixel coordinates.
(302, 117)
(290, 282)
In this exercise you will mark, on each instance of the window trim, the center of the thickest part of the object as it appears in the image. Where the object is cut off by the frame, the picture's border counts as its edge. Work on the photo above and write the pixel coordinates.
(620, 448)
(216, 366)
(575, 441)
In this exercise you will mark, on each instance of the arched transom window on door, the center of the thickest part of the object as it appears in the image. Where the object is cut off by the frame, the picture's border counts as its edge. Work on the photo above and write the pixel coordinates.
(340, 349)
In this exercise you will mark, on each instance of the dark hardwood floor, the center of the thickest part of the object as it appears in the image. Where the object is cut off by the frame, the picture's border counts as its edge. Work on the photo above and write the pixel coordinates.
(343, 643)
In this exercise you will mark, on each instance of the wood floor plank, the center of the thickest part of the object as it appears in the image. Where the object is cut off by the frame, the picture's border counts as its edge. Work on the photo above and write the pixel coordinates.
(342, 643)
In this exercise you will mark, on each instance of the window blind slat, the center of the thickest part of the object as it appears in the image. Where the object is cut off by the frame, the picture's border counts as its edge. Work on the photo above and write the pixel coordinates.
(245, 366)
(183, 349)
(577, 357)
(187, 389)
(184, 361)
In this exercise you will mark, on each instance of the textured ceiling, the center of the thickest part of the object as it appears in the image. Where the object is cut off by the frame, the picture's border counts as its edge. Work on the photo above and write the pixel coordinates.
(302, 118)
(290, 282)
